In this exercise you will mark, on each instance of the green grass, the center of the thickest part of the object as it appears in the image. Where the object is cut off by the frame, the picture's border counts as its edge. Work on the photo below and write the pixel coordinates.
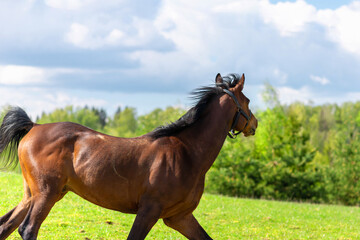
(222, 217)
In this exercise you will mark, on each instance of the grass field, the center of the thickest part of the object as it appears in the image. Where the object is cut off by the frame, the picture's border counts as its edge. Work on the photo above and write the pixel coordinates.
(222, 217)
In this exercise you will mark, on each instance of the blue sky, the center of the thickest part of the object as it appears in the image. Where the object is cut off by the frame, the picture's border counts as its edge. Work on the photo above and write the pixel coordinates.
(321, 4)
(149, 54)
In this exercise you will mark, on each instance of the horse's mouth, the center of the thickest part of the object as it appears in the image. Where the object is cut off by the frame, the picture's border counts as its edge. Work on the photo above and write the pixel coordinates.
(251, 132)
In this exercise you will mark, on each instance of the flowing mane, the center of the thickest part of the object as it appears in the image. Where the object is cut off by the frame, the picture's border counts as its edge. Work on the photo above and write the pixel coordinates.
(202, 96)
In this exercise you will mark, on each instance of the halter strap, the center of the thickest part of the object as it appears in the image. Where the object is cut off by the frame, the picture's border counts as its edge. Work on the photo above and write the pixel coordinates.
(240, 111)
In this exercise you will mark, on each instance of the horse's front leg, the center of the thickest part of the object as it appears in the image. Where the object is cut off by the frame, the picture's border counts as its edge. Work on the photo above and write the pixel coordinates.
(148, 214)
(187, 226)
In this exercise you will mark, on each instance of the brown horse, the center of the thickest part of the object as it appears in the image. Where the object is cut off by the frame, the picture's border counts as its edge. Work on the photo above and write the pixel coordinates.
(157, 175)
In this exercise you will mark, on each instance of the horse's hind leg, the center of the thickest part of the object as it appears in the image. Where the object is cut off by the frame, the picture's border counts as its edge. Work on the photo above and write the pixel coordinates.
(41, 203)
(10, 221)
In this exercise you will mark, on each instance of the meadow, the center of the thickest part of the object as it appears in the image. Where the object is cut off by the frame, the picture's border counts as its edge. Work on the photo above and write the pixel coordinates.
(222, 217)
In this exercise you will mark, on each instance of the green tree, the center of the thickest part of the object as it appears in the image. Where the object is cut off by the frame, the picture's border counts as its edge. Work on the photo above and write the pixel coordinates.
(123, 124)
(343, 171)
(158, 117)
(83, 116)
(101, 113)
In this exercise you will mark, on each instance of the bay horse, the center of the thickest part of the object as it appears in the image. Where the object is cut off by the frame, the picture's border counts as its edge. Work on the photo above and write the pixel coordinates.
(159, 175)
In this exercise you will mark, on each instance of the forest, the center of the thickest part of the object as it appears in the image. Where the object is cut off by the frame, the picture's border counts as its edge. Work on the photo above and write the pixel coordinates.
(301, 152)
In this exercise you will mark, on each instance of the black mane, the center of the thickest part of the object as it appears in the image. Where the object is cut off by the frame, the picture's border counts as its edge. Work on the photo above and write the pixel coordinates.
(203, 96)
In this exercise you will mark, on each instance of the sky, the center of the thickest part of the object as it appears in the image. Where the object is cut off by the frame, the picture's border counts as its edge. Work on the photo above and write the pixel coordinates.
(150, 54)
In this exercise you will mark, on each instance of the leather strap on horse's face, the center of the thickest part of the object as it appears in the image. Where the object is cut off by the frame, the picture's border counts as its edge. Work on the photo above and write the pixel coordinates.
(240, 111)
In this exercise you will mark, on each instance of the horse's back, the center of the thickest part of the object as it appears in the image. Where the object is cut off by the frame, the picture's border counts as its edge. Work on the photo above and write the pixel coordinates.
(52, 139)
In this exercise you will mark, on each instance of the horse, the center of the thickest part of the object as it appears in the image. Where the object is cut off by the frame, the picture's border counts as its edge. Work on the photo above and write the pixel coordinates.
(159, 175)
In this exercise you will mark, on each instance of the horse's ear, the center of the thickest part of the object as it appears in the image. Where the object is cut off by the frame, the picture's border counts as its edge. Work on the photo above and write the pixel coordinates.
(218, 78)
(241, 82)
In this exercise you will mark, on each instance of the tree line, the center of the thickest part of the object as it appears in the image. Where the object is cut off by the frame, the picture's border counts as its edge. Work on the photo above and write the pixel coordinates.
(300, 152)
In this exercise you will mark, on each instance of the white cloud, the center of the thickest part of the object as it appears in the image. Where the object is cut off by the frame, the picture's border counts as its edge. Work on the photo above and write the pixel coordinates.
(289, 95)
(321, 80)
(306, 94)
(38, 100)
(288, 17)
(67, 4)
(76, 5)
(60, 99)
(292, 17)
(192, 27)
(242, 6)
(196, 33)
(79, 36)
(144, 33)
(342, 26)
(139, 33)
(17, 75)
(115, 36)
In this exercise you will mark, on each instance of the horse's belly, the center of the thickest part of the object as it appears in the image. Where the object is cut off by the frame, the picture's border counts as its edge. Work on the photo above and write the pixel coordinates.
(111, 195)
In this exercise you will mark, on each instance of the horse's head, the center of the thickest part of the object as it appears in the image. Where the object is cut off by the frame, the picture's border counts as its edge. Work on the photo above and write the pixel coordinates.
(244, 121)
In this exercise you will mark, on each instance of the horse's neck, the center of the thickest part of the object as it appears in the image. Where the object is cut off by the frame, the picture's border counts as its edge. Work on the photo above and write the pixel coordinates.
(206, 137)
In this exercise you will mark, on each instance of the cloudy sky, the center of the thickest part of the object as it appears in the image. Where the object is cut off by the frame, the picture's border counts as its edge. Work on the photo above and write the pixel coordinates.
(152, 53)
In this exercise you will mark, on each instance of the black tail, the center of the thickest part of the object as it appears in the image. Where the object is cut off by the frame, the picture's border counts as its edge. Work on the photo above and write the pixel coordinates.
(16, 124)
